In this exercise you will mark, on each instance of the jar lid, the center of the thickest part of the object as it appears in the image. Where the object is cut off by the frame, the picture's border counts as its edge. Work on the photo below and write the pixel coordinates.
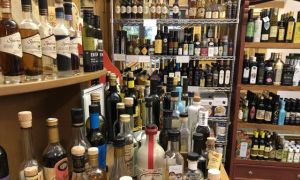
(193, 156)
(125, 118)
(31, 171)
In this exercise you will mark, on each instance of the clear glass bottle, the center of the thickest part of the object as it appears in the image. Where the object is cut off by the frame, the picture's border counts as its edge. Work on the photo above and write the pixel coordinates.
(174, 160)
(62, 37)
(185, 134)
(94, 172)
(193, 172)
(193, 113)
(25, 120)
(78, 133)
(150, 157)
(201, 9)
(119, 167)
(174, 107)
(208, 9)
(55, 160)
(222, 9)
(75, 60)
(31, 45)
(48, 42)
(78, 159)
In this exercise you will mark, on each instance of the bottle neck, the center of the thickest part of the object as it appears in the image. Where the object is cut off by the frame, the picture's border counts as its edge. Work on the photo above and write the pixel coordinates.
(94, 119)
(53, 135)
(27, 143)
(27, 15)
(98, 103)
(173, 146)
(125, 128)
(60, 20)
(78, 133)
(113, 88)
(93, 161)
(44, 18)
(149, 117)
(6, 13)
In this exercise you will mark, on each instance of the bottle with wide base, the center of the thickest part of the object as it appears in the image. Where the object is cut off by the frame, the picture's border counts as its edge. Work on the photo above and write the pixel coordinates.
(94, 172)
(193, 172)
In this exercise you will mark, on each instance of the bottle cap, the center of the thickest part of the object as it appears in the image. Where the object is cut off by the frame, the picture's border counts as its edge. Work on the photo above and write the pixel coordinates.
(128, 101)
(125, 118)
(214, 174)
(197, 136)
(59, 12)
(167, 113)
(183, 115)
(52, 122)
(94, 108)
(148, 101)
(43, 7)
(92, 151)
(120, 105)
(151, 129)
(191, 94)
(68, 8)
(179, 89)
(174, 135)
(31, 171)
(125, 178)
(192, 156)
(25, 119)
(95, 96)
(77, 150)
(77, 116)
(174, 94)
(196, 99)
(119, 141)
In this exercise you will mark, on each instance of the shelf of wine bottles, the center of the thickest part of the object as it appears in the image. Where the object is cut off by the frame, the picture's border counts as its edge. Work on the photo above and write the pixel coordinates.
(175, 22)
(209, 89)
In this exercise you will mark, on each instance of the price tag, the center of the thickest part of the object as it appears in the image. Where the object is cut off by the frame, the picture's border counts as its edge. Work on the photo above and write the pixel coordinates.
(182, 59)
(144, 59)
(150, 22)
(132, 58)
(193, 88)
(119, 57)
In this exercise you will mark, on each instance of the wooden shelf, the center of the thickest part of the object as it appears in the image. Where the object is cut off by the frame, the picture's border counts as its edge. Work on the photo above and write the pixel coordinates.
(268, 87)
(266, 163)
(10, 89)
(269, 4)
(245, 125)
(268, 45)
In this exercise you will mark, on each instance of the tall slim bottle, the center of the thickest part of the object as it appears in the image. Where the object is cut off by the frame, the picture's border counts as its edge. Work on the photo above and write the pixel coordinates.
(119, 167)
(25, 120)
(31, 44)
(55, 160)
(62, 37)
(94, 172)
(174, 107)
(155, 101)
(48, 42)
(273, 24)
(78, 161)
(167, 125)
(290, 26)
(146, 9)
(180, 103)
(185, 135)
(11, 47)
(4, 171)
(193, 111)
(250, 27)
(278, 70)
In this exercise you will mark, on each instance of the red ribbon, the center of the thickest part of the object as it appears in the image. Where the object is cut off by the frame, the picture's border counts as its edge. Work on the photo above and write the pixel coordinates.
(150, 152)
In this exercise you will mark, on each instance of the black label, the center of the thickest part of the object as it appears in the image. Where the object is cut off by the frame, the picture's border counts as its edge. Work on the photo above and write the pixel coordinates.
(78, 163)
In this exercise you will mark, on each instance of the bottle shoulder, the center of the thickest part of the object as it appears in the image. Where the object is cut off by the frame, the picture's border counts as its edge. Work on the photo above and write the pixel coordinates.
(28, 24)
(61, 29)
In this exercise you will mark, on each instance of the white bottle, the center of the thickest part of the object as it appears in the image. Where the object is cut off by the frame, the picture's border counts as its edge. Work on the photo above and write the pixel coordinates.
(296, 77)
(253, 71)
(297, 156)
(290, 156)
(257, 29)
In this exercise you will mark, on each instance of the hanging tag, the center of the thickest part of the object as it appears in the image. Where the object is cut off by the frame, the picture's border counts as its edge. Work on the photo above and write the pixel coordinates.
(150, 22)
(182, 59)
(266, 19)
(119, 57)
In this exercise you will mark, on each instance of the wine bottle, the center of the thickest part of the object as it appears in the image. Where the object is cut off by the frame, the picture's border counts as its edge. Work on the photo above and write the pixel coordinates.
(250, 27)
(273, 24)
(290, 28)
(4, 171)
(266, 26)
(78, 161)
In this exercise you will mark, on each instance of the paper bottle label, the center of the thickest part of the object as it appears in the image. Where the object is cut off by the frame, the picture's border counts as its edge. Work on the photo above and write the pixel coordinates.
(49, 46)
(150, 174)
(63, 46)
(32, 45)
(11, 44)
(59, 172)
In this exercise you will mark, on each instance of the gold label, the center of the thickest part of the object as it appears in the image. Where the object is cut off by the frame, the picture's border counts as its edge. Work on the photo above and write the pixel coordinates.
(158, 46)
(130, 84)
(297, 33)
(281, 33)
(290, 31)
(273, 31)
(144, 51)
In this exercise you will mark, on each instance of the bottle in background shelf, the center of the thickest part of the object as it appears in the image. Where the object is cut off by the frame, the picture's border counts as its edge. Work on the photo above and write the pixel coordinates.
(290, 27)
(185, 135)
(55, 160)
(297, 29)
(94, 172)
(146, 9)
(78, 161)
(282, 113)
(193, 112)
(250, 27)
(48, 42)
(128, 101)
(296, 77)
(201, 9)
(192, 9)
(4, 171)
(62, 37)
(95, 136)
(155, 101)
(174, 108)
(273, 24)
(99, 42)
(165, 9)
(281, 31)
(265, 31)
(25, 120)
(278, 70)
(257, 29)
(176, 10)
(193, 171)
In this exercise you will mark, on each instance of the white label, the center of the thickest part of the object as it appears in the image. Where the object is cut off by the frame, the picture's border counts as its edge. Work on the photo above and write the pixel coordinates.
(182, 59)
(211, 51)
(164, 10)
(119, 57)
(150, 22)
(146, 10)
(140, 9)
(208, 14)
(32, 45)
(215, 15)
(192, 165)
(118, 9)
(128, 9)
(197, 51)
(150, 174)
(246, 73)
(175, 171)
(74, 46)
(296, 77)
(153, 9)
(132, 58)
(266, 19)
(176, 9)
(11, 44)
(221, 77)
(216, 51)
(158, 9)
(296, 157)
(123, 9)
(203, 117)
(227, 76)
(63, 47)
(253, 75)
(243, 150)
(171, 74)
(49, 46)
(134, 9)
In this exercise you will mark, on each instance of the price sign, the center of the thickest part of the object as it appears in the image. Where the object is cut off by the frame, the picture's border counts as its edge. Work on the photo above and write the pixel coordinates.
(119, 57)
(145, 59)
(150, 22)
(132, 58)
(182, 59)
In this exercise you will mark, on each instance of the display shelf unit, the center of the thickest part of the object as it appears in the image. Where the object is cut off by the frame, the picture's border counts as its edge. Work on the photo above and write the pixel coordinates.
(268, 45)
(269, 4)
(209, 89)
(10, 89)
(255, 169)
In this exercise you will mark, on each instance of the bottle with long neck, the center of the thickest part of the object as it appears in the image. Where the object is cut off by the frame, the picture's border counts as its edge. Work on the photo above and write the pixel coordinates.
(155, 101)
(25, 120)
(290, 26)
(199, 147)
(55, 160)
(167, 125)
(185, 135)
(193, 113)
(78, 159)
(148, 118)
(119, 167)
(47, 41)
(31, 44)
(202, 124)
(62, 37)
(180, 104)
(278, 70)
(120, 110)
(128, 101)
(94, 172)
(95, 136)
(73, 38)
(78, 134)
(151, 156)
(273, 24)
(111, 103)
(131, 93)
(297, 29)
(250, 27)
(11, 51)
(174, 108)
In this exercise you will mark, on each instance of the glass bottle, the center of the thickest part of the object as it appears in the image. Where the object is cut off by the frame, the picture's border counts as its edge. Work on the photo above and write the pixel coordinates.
(78, 134)
(62, 37)
(273, 24)
(120, 110)
(134, 9)
(192, 9)
(167, 125)
(174, 107)
(31, 45)
(95, 136)
(128, 9)
(153, 10)
(73, 38)
(117, 9)
(128, 101)
(98, 44)
(140, 9)
(282, 113)
(250, 27)
(4, 171)
(193, 113)
(208, 9)
(193, 172)
(278, 70)
(78, 161)
(119, 167)
(55, 160)
(158, 9)
(180, 103)
(201, 9)
(158, 42)
(164, 10)
(185, 134)
(175, 10)
(174, 160)
(222, 9)
(215, 9)
(290, 26)
(48, 42)
(202, 124)
(111, 104)
(150, 157)
(146, 9)
(25, 120)
(94, 172)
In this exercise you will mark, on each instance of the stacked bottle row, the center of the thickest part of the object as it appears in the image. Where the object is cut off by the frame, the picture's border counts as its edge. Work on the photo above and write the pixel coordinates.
(192, 41)
(156, 9)
(34, 52)
(267, 28)
(257, 70)
(269, 109)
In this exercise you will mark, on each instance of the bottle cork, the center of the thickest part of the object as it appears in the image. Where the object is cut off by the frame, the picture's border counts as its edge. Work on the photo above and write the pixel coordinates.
(77, 150)
(52, 122)
(31, 171)
(128, 101)
(120, 106)
(95, 96)
(25, 119)
(125, 118)
(92, 151)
